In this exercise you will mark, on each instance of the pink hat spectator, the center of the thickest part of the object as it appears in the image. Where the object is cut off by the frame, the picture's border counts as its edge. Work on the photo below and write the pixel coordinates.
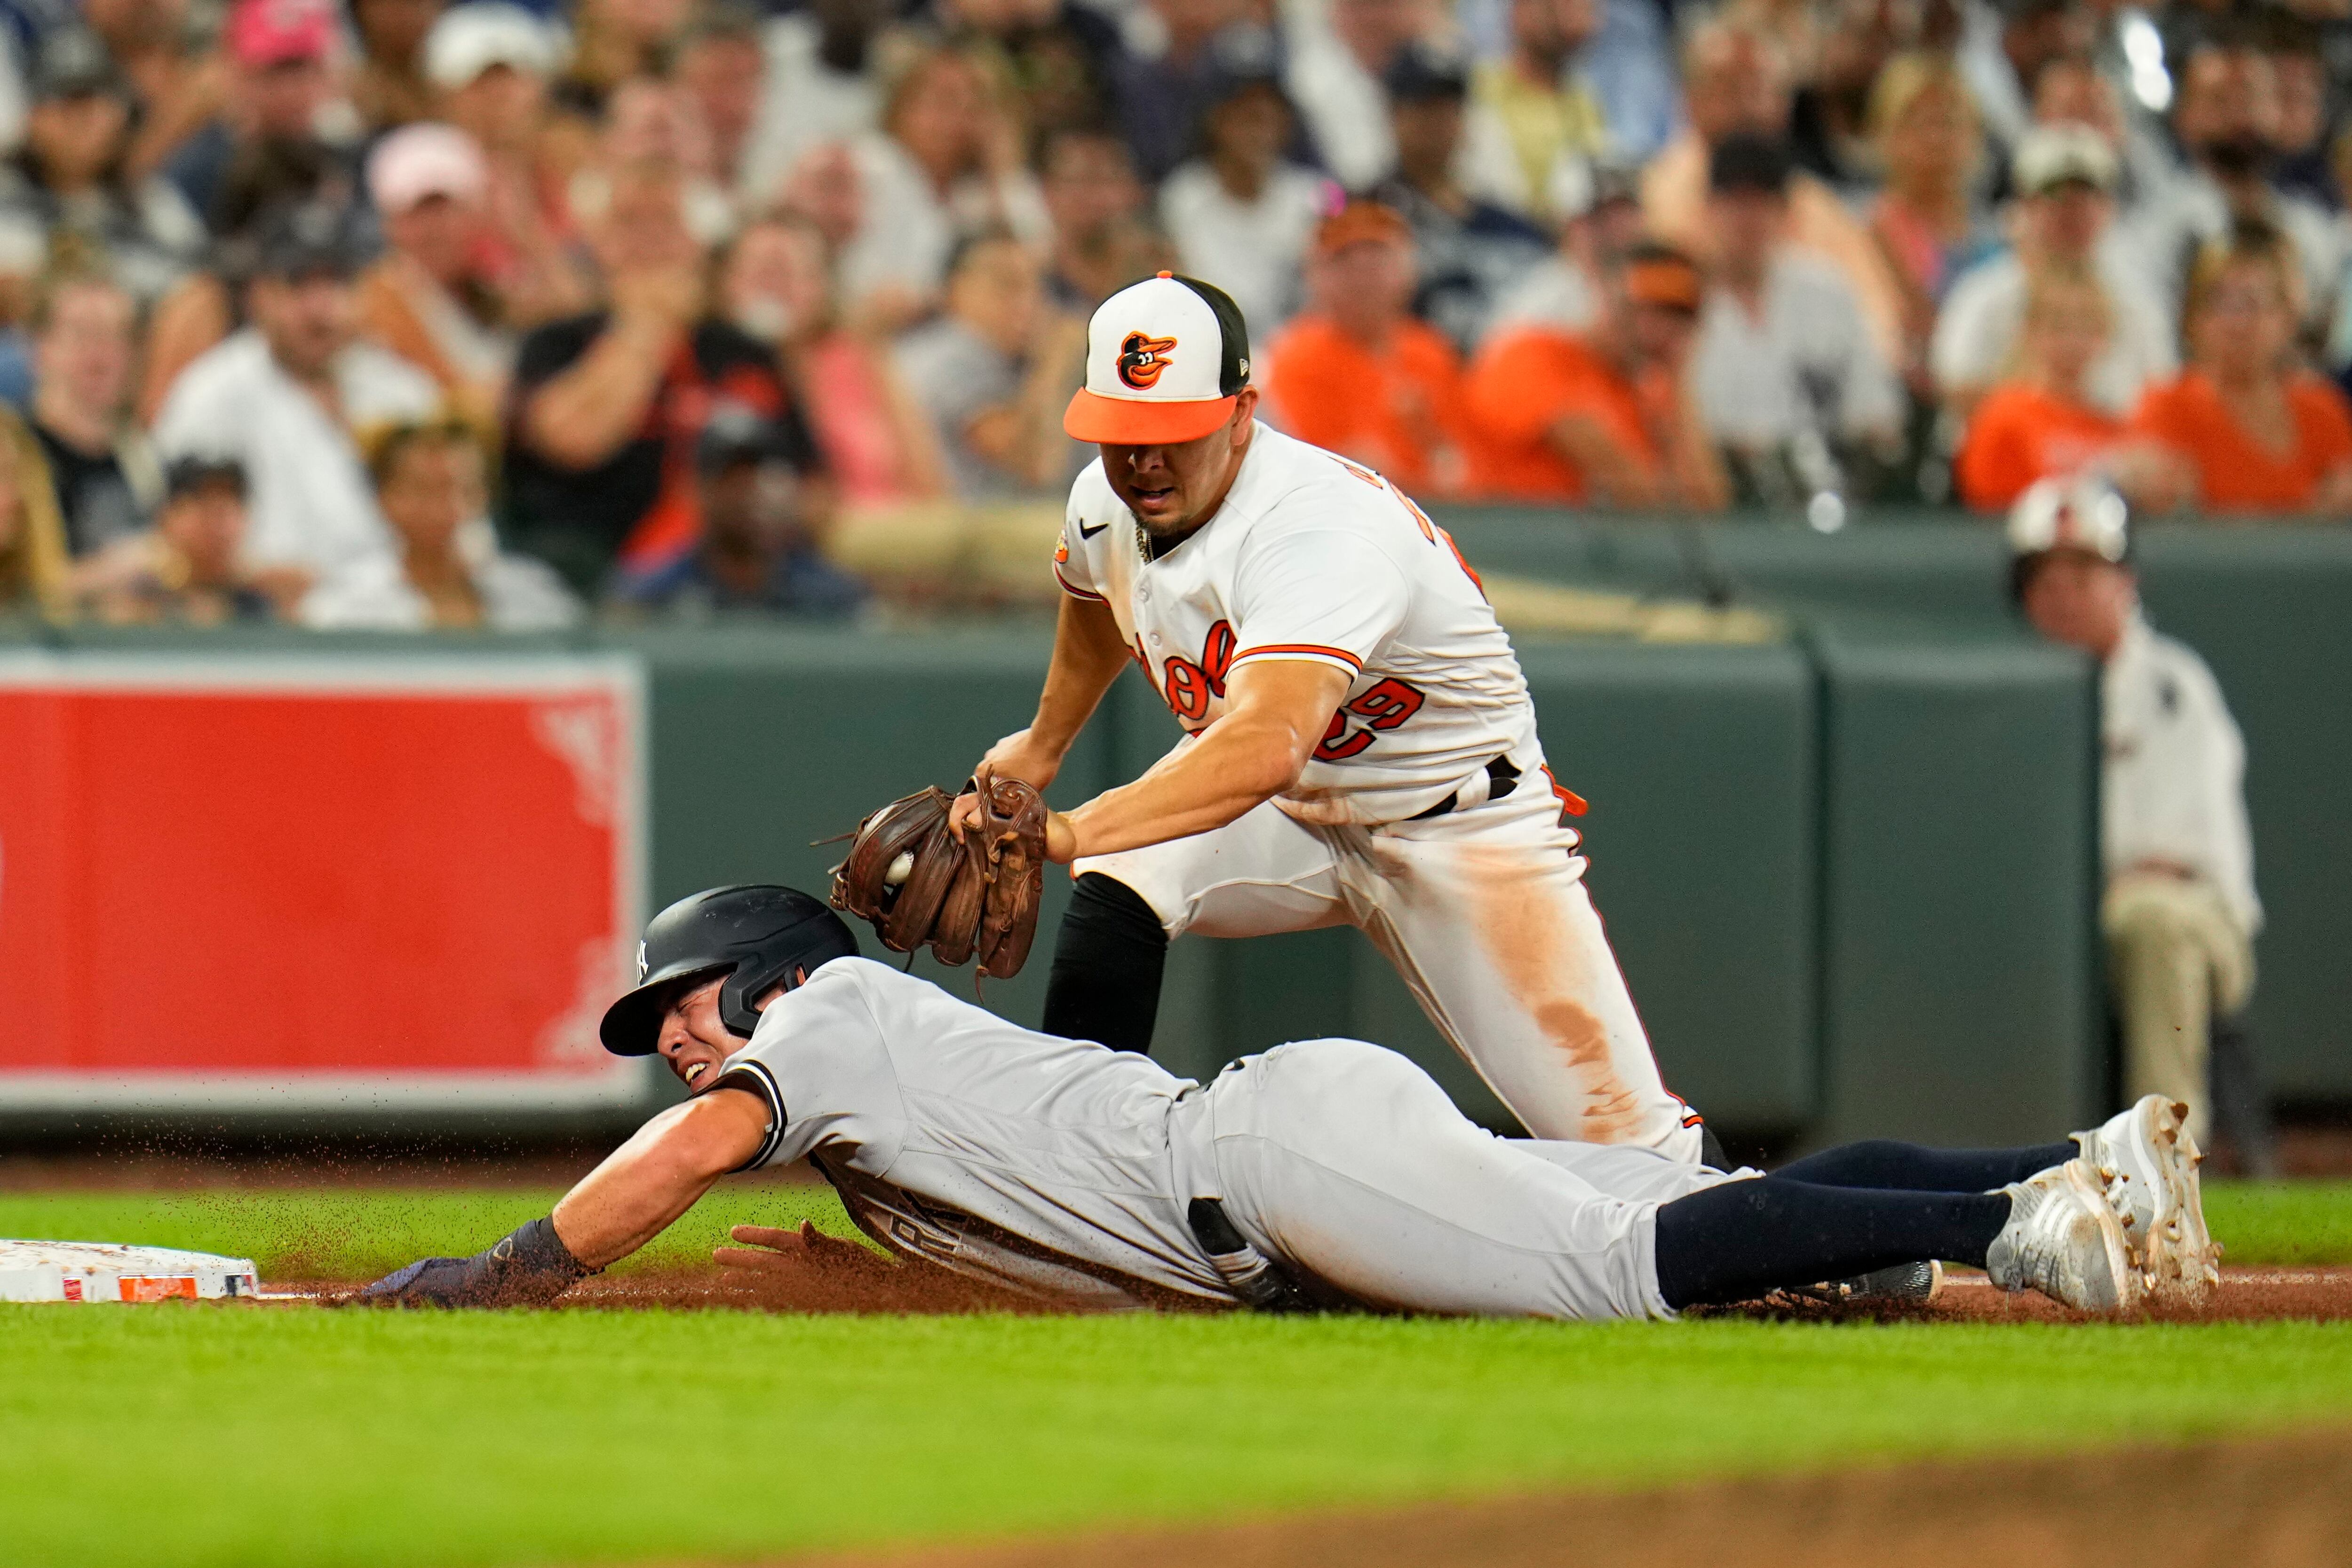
(264, 33)
(425, 160)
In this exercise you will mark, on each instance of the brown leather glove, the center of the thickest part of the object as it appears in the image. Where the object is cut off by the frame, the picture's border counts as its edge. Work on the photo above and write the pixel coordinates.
(918, 883)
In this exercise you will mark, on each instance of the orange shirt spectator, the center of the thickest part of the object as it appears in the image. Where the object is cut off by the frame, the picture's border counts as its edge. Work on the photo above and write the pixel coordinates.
(2044, 421)
(1608, 417)
(1397, 409)
(1357, 374)
(2260, 434)
(1524, 382)
(2236, 470)
(2020, 433)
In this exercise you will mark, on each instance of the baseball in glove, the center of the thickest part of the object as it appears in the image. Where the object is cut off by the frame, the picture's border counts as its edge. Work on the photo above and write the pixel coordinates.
(917, 884)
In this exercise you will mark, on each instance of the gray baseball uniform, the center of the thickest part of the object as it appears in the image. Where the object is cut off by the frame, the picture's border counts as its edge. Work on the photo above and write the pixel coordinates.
(1065, 1170)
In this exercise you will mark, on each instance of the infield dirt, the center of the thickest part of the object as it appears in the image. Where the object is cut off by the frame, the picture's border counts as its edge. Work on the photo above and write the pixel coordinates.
(2244, 1295)
(2271, 1503)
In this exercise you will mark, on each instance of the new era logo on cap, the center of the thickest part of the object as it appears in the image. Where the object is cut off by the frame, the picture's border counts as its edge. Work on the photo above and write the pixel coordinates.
(1165, 358)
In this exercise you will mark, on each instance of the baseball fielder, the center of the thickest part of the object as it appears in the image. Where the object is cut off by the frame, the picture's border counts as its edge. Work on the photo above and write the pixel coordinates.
(1325, 1173)
(1359, 744)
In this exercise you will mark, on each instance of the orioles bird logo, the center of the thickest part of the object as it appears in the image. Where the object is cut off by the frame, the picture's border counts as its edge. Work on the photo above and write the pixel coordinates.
(1142, 358)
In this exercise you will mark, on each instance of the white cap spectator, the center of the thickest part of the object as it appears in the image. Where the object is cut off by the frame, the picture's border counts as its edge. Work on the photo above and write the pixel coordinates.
(2049, 156)
(469, 40)
(2066, 174)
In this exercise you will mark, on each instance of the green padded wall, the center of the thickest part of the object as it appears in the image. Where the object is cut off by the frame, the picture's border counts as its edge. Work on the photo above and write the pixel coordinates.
(1957, 961)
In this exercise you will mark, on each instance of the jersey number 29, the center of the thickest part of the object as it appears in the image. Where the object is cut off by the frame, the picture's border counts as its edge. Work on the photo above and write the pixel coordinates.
(1382, 706)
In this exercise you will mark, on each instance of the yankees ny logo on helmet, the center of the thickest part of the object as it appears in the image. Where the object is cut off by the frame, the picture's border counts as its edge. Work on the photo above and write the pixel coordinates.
(1141, 360)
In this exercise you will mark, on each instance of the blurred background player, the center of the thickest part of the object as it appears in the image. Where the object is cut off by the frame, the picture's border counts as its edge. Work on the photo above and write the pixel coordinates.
(2180, 913)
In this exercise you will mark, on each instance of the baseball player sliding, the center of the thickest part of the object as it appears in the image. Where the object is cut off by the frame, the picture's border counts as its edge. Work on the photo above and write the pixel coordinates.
(1324, 1173)
(1359, 744)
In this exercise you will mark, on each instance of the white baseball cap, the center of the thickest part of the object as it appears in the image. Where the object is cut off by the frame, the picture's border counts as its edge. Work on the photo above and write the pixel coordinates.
(2049, 156)
(2082, 513)
(469, 40)
(1165, 360)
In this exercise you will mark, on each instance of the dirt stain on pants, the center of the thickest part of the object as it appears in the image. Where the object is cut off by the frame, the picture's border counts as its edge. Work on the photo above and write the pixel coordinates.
(1529, 937)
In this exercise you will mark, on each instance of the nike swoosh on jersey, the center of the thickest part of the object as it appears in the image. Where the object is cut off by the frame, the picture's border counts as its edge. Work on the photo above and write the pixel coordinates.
(1087, 533)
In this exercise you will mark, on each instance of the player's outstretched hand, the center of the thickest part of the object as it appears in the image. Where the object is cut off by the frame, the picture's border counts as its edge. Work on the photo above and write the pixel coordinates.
(806, 1253)
(428, 1281)
(530, 1267)
(805, 1270)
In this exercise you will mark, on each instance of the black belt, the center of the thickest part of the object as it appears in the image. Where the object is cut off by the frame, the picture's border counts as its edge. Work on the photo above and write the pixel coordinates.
(1257, 1279)
(1501, 779)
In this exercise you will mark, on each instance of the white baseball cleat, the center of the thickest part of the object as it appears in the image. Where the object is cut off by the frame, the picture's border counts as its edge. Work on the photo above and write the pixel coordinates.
(2148, 1162)
(2065, 1239)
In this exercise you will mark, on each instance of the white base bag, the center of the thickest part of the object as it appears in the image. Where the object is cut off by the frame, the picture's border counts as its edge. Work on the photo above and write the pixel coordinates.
(106, 1271)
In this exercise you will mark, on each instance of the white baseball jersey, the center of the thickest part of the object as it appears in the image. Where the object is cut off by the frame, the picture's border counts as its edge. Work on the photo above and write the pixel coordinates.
(1311, 557)
(1065, 1169)
(2174, 782)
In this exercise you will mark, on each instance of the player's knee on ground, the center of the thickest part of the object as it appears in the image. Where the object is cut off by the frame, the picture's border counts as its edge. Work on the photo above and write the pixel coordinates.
(1107, 964)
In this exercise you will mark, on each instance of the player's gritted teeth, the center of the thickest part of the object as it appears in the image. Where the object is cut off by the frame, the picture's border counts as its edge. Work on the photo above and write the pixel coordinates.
(694, 1061)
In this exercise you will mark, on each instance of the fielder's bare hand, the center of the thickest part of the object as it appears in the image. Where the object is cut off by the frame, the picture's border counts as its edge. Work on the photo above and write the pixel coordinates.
(1019, 757)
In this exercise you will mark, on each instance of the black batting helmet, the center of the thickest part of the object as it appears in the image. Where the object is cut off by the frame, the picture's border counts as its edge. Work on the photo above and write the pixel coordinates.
(758, 935)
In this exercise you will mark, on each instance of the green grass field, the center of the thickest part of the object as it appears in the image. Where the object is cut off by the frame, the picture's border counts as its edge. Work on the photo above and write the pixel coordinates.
(235, 1435)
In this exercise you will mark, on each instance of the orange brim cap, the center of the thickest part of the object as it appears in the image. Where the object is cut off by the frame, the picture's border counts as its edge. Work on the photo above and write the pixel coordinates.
(1133, 422)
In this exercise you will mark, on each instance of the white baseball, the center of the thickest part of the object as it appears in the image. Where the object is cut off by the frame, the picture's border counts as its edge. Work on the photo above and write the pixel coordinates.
(900, 869)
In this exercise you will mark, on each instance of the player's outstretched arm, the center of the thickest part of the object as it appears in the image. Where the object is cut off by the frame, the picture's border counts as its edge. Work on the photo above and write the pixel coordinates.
(645, 1184)
(633, 1196)
(1276, 713)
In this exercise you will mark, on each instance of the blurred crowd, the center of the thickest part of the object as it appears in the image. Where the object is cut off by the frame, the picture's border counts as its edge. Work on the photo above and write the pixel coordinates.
(406, 314)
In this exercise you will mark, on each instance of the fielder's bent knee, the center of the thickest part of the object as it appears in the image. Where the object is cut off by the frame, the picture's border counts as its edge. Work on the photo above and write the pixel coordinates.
(1107, 964)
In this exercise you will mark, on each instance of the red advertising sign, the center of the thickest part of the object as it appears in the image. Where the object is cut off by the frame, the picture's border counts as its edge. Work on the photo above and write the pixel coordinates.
(261, 883)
